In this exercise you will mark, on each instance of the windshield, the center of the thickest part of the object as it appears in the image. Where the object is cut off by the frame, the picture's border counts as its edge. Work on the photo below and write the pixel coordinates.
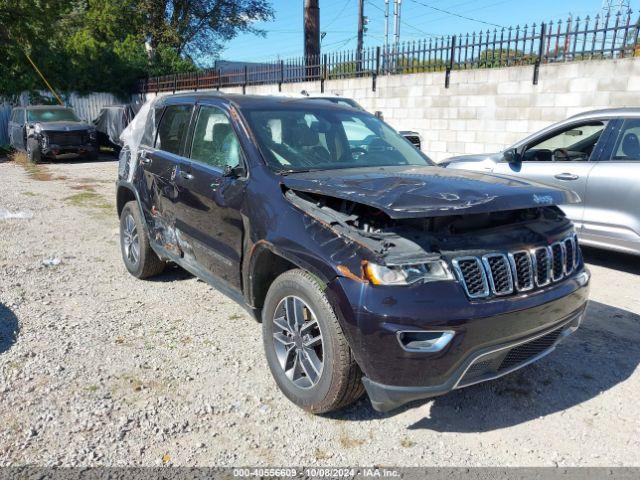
(319, 139)
(52, 115)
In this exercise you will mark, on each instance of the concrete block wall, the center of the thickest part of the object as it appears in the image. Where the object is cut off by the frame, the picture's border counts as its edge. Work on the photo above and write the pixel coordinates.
(485, 110)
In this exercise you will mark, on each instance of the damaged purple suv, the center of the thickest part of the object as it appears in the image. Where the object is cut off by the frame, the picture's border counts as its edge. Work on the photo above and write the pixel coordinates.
(369, 267)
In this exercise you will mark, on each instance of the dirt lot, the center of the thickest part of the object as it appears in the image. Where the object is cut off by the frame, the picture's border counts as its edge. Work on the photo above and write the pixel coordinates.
(98, 368)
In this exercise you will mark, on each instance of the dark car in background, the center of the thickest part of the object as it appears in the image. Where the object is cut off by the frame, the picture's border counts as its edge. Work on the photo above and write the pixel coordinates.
(369, 268)
(110, 123)
(51, 132)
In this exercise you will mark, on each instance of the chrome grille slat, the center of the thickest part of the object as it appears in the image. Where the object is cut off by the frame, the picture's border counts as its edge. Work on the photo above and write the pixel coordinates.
(570, 255)
(557, 261)
(497, 273)
(472, 276)
(541, 258)
(522, 268)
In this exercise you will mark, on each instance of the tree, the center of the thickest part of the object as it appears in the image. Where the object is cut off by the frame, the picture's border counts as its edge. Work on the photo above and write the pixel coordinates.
(500, 57)
(198, 28)
(99, 45)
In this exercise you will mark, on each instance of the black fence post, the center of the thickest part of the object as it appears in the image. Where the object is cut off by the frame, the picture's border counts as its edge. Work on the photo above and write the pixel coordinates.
(376, 72)
(246, 79)
(447, 77)
(281, 75)
(197, 81)
(219, 79)
(536, 66)
(175, 82)
(323, 77)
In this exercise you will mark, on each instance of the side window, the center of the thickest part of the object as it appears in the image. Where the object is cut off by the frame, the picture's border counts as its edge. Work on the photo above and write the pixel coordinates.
(214, 141)
(627, 146)
(173, 128)
(571, 144)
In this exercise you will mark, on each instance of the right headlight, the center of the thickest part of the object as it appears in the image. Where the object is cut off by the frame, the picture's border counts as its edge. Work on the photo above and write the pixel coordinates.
(407, 274)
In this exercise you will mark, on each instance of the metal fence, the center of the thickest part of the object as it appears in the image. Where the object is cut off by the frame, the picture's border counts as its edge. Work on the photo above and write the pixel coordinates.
(603, 36)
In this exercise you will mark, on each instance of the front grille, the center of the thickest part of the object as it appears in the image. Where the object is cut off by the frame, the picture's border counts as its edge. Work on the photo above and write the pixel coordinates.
(499, 273)
(570, 255)
(473, 276)
(523, 270)
(542, 266)
(67, 138)
(557, 263)
(526, 351)
(414, 139)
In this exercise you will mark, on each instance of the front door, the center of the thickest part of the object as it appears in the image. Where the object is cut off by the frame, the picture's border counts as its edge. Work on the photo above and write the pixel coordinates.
(210, 206)
(611, 215)
(561, 159)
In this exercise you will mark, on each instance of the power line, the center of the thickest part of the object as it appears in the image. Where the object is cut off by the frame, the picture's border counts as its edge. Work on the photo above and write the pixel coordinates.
(456, 14)
(346, 4)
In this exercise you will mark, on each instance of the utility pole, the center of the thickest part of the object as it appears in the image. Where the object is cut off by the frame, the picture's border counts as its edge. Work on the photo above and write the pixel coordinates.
(397, 11)
(312, 38)
(386, 35)
(360, 36)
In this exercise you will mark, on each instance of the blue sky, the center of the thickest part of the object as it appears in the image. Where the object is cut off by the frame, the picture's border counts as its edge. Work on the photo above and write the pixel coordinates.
(339, 19)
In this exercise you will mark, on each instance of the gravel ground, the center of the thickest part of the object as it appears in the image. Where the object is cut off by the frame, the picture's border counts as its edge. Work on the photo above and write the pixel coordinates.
(98, 368)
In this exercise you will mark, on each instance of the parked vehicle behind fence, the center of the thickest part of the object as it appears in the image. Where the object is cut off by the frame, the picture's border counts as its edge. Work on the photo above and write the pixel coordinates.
(51, 132)
(597, 155)
(369, 268)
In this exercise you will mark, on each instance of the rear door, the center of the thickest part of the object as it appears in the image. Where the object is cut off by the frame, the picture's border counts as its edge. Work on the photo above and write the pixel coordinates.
(560, 158)
(612, 211)
(164, 167)
(210, 206)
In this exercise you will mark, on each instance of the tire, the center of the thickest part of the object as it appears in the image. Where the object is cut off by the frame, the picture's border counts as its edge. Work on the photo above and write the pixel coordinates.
(146, 263)
(339, 382)
(34, 155)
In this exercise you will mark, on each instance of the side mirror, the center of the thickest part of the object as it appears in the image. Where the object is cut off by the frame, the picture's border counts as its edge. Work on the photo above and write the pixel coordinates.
(379, 115)
(511, 156)
(234, 172)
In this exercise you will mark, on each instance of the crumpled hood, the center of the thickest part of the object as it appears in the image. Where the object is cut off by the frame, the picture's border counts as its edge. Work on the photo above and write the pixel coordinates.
(63, 126)
(480, 157)
(406, 192)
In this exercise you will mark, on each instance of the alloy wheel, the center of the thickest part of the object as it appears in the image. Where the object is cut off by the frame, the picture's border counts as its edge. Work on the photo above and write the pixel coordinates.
(131, 240)
(298, 342)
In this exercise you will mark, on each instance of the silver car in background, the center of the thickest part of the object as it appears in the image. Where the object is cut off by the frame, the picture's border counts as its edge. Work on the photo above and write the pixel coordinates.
(597, 155)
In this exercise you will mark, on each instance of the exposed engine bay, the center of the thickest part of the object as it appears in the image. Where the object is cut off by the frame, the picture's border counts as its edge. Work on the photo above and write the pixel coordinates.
(422, 239)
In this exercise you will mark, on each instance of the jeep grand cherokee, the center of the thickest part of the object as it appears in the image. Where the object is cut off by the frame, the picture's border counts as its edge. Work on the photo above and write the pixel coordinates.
(369, 267)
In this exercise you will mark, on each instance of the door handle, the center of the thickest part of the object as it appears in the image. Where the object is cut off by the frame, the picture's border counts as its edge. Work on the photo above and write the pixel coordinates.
(186, 175)
(144, 159)
(567, 176)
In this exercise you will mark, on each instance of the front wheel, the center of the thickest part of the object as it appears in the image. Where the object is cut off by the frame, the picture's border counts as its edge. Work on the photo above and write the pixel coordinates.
(307, 352)
(139, 258)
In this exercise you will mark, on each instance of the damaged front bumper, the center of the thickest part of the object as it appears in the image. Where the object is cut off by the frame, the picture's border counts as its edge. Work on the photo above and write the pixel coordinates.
(491, 338)
(68, 151)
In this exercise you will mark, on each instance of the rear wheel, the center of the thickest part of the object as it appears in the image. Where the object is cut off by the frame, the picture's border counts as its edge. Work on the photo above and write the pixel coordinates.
(139, 258)
(306, 350)
(34, 155)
